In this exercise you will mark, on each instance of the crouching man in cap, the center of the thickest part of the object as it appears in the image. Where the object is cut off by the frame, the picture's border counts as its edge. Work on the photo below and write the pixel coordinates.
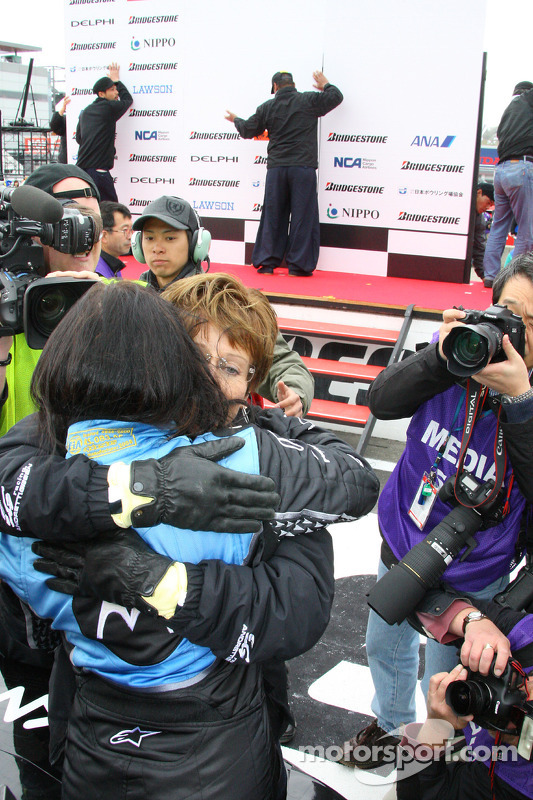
(96, 131)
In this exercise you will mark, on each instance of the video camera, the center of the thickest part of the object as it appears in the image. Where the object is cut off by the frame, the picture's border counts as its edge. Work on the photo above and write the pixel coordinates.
(28, 302)
(469, 347)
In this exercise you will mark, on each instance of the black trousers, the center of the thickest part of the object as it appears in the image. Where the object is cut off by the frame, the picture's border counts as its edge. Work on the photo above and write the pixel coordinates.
(105, 184)
(186, 744)
(289, 221)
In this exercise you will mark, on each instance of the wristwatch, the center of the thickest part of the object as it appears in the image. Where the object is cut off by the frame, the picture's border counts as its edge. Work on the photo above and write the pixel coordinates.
(473, 616)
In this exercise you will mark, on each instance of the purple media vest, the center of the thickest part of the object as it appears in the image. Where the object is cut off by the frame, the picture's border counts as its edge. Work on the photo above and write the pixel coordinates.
(426, 433)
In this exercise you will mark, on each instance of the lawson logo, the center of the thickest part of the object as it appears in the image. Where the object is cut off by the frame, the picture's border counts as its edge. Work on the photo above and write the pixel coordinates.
(433, 141)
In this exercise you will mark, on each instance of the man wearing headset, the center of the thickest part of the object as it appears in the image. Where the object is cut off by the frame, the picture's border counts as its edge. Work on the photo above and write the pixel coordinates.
(170, 239)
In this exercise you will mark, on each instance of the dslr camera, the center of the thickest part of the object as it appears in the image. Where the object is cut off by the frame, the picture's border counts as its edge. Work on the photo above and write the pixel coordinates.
(28, 302)
(497, 703)
(469, 347)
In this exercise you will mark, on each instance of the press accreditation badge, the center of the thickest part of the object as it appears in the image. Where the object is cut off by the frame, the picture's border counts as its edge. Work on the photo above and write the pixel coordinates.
(423, 502)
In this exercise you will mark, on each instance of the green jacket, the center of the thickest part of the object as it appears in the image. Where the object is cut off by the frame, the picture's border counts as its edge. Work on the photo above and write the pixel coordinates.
(289, 368)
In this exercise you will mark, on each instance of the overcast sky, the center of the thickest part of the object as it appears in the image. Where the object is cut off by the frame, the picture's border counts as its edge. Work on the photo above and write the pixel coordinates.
(508, 32)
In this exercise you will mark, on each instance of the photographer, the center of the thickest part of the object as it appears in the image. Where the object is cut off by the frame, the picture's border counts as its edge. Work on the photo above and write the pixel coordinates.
(422, 386)
(510, 778)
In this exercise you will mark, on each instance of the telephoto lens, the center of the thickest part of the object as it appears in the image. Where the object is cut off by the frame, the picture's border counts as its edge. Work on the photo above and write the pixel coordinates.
(401, 589)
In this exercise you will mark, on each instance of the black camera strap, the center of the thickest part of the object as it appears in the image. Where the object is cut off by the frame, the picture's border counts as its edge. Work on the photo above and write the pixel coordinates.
(475, 398)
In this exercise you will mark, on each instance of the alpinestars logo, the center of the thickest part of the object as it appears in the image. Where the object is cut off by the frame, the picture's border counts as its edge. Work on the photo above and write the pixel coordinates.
(421, 167)
(9, 504)
(134, 736)
(439, 220)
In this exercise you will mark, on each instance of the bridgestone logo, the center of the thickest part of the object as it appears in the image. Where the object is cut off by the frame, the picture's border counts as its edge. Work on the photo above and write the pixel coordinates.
(226, 136)
(225, 183)
(357, 137)
(142, 67)
(94, 46)
(88, 2)
(433, 167)
(77, 91)
(346, 187)
(141, 203)
(158, 112)
(146, 20)
(427, 218)
(154, 159)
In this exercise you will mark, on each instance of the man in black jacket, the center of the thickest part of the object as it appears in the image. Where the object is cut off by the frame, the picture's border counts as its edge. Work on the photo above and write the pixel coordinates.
(291, 119)
(96, 130)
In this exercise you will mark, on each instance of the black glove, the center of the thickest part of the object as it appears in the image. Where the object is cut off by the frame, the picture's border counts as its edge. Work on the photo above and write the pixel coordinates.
(186, 489)
(120, 569)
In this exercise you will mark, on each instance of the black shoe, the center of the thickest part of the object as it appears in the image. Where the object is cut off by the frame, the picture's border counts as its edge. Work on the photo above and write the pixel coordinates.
(369, 748)
(288, 734)
(487, 283)
(266, 270)
(299, 273)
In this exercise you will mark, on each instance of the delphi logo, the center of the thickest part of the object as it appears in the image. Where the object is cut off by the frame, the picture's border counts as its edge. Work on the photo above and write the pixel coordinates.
(433, 141)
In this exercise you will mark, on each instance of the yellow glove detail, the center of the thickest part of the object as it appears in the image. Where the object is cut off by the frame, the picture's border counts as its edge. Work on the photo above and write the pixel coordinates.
(118, 479)
(170, 592)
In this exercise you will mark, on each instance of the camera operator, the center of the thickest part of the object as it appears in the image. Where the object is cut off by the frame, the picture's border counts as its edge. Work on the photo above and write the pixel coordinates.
(510, 778)
(423, 387)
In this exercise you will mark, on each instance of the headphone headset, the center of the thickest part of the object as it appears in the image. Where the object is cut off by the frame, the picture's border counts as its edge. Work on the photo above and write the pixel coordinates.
(198, 247)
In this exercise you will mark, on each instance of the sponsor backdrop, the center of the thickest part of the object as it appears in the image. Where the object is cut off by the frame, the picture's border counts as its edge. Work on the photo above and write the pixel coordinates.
(396, 158)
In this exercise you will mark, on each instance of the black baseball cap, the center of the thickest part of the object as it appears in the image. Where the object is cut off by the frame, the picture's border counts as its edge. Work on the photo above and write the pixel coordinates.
(102, 84)
(281, 77)
(175, 211)
(487, 189)
(46, 177)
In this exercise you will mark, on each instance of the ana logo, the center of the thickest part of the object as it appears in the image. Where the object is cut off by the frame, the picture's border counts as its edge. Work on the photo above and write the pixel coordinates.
(332, 213)
(432, 141)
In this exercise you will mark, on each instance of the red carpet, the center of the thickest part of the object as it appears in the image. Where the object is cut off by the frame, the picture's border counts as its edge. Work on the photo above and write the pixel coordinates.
(355, 292)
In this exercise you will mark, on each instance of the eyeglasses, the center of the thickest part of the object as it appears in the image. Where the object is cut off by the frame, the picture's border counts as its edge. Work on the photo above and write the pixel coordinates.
(230, 371)
(125, 231)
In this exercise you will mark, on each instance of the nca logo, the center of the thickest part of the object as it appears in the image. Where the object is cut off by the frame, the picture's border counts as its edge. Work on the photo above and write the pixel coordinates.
(347, 162)
(145, 136)
(257, 207)
(432, 141)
